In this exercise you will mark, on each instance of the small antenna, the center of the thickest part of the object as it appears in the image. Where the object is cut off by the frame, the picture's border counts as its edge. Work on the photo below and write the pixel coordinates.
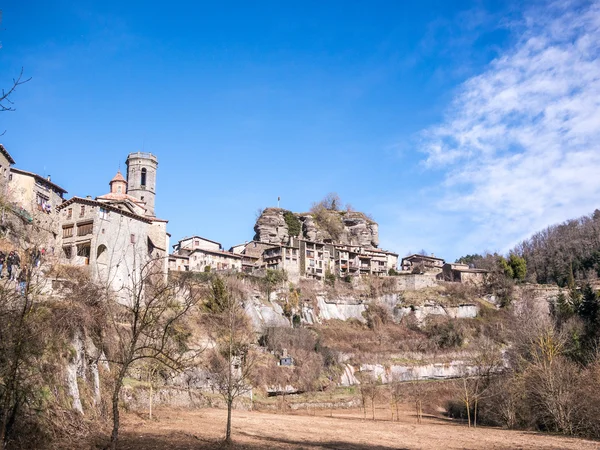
(278, 200)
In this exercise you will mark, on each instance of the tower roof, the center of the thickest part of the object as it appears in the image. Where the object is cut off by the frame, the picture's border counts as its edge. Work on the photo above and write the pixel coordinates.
(118, 177)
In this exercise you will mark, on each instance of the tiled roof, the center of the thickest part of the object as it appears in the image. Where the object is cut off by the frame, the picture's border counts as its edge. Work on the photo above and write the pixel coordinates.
(89, 201)
(118, 177)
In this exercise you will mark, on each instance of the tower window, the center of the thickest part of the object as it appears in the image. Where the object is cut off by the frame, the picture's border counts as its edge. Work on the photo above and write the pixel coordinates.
(143, 177)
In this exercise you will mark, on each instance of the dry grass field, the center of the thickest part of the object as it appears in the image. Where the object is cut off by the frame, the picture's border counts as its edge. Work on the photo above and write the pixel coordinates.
(178, 429)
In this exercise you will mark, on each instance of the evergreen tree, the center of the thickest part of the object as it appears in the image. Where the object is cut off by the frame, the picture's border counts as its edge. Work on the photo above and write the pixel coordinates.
(562, 309)
(505, 267)
(590, 306)
(518, 266)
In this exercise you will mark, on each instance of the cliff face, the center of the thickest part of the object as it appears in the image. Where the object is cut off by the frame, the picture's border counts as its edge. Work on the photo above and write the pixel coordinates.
(344, 227)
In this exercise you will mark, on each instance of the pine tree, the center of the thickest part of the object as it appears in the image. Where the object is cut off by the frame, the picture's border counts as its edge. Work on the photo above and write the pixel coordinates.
(563, 309)
(590, 306)
(518, 266)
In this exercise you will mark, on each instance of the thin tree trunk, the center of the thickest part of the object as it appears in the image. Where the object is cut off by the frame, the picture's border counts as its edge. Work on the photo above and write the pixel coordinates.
(475, 413)
(230, 381)
(467, 402)
(373, 408)
(468, 406)
(114, 437)
(228, 432)
(150, 401)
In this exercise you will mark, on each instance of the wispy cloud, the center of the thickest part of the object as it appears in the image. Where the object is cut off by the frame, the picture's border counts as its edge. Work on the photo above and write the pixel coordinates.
(520, 143)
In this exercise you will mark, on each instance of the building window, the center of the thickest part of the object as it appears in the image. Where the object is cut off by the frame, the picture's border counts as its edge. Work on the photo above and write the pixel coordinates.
(132, 238)
(119, 189)
(41, 199)
(84, 229)
(82, 211)
(68, 231)
(68, 251)
(84, 250)
(103, 213)
(143, 183)
(70, 213)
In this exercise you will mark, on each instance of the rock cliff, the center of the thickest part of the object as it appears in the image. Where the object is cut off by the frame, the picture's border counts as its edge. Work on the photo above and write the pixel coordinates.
(276, 225)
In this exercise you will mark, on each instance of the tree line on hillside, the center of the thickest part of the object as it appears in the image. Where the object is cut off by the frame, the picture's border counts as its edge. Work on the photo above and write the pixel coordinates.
(549, 376)
(560, 254)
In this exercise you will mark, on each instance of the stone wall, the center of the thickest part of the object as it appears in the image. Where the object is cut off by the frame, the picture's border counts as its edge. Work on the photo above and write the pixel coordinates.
(416, 281)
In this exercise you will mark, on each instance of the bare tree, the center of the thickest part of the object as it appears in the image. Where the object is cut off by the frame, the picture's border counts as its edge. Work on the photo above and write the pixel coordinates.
(368, 391)
(232, 360)
(19, 344)
(418, 391)
(149, 325)
(486, 363)
(396, 396)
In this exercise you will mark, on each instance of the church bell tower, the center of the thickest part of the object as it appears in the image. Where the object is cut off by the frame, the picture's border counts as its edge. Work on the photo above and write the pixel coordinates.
(141, 178)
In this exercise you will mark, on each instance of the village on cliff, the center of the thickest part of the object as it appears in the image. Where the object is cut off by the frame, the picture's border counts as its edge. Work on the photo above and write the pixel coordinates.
(119, 231)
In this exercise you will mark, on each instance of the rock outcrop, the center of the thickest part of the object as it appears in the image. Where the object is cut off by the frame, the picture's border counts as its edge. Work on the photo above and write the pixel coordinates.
(343, 227)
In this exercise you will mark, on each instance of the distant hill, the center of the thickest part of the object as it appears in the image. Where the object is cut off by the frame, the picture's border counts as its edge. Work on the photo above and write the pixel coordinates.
(564, 252)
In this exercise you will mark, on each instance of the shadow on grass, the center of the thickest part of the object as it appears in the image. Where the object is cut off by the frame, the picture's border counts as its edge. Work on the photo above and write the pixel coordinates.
(188, 441)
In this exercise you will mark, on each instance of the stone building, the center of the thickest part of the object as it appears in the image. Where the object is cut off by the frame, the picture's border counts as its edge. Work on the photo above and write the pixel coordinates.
(117, 235)
(6, 161)
(352, 250)
(283, 257)
(422, 263)
(141, 178)
(33, 192)
(462, 273)
(198, 254)
(35, 199)
(316, 259)
(251, 253)
(356, 260)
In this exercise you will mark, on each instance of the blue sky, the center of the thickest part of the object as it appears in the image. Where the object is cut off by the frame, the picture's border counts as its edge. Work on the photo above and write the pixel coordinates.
(460, 126)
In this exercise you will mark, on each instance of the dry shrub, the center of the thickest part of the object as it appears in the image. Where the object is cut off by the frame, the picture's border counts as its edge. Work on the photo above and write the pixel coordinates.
(446, 333)
(354, 337)
(457, 293)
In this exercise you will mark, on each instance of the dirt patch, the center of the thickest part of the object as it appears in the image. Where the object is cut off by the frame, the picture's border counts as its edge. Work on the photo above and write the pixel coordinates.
(177, 429)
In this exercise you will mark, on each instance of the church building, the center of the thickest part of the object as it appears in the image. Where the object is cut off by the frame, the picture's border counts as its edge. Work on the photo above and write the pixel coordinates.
(117, 234)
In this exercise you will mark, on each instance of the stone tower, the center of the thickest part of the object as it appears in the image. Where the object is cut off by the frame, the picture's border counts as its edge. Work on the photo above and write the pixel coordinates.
(141, 178)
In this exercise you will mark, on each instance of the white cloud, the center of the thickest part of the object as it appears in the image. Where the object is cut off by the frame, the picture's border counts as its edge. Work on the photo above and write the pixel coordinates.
(521, 142)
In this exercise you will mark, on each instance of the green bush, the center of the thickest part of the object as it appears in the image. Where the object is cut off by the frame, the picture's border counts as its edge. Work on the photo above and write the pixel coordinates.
(293, 223)
(330, 278)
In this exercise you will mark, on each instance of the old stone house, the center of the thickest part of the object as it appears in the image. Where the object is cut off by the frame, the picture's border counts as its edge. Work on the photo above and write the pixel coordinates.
(316, 259)
(283, 257)
(422, 263)
(252, 254)
(357, 260)
(6, 161)
(462, 273)
(34, 192)
(199, 254)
